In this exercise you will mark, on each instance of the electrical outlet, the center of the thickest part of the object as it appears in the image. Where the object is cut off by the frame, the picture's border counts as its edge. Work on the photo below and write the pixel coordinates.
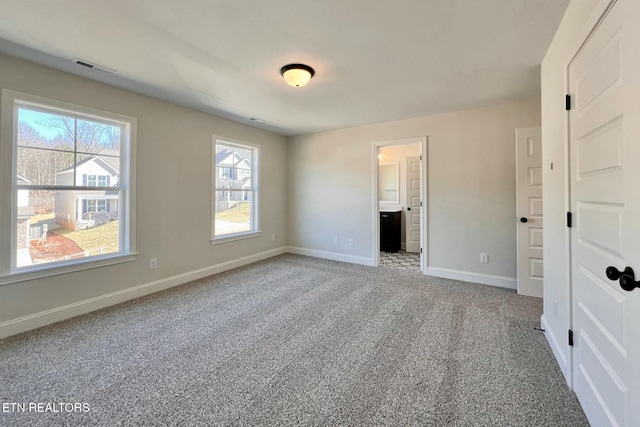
(273, 237)
(153, 263)
(350, 242)
(335, 240)
(484, 257)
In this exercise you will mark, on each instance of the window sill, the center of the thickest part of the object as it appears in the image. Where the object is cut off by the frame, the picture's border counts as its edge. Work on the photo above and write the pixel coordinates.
(234, 237)
(44, 270)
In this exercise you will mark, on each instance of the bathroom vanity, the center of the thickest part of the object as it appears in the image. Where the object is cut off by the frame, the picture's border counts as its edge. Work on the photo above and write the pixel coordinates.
(390, 228)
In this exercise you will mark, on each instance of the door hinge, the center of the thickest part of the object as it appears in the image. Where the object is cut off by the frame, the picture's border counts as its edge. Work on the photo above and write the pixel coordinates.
(420, 203)
(569, 219)
(420, 156)
(567, 102)
(570, 338)
(420, 250)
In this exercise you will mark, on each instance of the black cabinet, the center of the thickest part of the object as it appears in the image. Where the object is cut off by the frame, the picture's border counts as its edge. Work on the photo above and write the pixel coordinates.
(390, 231)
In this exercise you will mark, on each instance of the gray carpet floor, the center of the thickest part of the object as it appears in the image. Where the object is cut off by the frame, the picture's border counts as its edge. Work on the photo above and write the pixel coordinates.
(297, 340)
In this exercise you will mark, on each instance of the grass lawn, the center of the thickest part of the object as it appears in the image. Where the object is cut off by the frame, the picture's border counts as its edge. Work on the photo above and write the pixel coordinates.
(36, 220)
(240, 213)
(105, 236)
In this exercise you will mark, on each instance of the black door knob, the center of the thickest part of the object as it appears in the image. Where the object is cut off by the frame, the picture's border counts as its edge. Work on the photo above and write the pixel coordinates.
(523, 219)
(408, 208)
(615, 274)
(628, 283)
(627, 278)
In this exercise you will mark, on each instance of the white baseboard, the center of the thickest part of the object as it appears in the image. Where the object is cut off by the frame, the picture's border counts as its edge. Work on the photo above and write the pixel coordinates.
(466, 276)
(36, 320)
(557, 352)
(334, 256)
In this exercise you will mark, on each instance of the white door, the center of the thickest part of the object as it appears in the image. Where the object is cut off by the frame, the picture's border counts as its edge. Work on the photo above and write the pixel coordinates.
(529, 210)
(412, 228)
(604, 138)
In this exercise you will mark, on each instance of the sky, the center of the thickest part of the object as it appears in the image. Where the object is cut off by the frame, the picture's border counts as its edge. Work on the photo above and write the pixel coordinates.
(38, 120)
(32, 118)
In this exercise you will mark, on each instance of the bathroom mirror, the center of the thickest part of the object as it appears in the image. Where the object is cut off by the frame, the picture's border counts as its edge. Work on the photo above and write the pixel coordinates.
(389, 183)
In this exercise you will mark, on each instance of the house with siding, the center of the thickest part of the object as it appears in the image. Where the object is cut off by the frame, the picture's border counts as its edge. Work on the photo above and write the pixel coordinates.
(233, 173)
(85, 208)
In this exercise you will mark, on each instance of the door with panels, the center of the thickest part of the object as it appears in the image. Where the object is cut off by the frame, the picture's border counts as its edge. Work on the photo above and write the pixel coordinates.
(529, 210)
(414, 211)
(604, 146)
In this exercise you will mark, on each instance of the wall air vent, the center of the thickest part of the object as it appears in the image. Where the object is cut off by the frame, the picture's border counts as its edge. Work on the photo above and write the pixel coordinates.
(93, 66)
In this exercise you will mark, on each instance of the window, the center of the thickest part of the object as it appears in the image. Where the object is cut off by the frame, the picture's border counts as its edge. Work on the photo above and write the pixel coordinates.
(235, 212)
(96, 180)
(68, 209)
(224, 172)
(96, 206)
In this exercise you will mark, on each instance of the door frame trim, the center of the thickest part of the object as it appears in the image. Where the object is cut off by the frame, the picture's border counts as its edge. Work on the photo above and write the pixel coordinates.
(376, 145)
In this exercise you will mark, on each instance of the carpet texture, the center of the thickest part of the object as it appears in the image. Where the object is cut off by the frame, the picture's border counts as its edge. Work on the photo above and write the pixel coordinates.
(297, 340)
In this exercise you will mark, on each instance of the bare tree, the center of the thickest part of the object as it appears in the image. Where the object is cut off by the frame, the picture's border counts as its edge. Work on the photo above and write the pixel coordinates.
(29, 160)
(28, 136)
(35, 163)
(85, 136)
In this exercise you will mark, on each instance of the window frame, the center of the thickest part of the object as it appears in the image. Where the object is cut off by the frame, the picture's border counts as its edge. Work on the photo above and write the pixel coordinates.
(255, 190)
(11, 102)
(96, 205)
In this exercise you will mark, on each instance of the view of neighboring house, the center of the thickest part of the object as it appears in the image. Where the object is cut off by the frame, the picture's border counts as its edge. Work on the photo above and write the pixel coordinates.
(234, 172)
(79, 210)
(25, 211)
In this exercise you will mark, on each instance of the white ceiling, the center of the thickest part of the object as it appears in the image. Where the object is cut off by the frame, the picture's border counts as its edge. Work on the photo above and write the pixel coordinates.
(375, 60)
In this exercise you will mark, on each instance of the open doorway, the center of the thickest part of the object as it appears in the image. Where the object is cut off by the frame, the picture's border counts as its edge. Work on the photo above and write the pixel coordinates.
(400, 189)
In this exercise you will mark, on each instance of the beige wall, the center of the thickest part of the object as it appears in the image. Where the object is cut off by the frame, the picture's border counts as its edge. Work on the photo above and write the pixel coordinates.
(173, 191)
(555, 182)
(471, 186)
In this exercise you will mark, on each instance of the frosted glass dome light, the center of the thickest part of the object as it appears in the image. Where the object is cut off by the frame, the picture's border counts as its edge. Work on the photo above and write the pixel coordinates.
(297, 75)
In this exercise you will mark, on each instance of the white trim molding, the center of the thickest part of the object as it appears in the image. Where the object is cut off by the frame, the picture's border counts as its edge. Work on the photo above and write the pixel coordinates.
(466, 276)
(43, 318)
(376, 145)
(334, 256)
(556, 349)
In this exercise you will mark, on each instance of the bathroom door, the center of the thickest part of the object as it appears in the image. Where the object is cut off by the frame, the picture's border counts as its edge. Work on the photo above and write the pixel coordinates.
(413, 212)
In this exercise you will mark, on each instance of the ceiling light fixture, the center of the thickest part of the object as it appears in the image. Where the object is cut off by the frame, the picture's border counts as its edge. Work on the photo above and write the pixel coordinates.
(297, 75)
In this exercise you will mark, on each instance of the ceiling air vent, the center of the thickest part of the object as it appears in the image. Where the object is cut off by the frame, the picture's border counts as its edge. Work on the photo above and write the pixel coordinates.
(93, 66)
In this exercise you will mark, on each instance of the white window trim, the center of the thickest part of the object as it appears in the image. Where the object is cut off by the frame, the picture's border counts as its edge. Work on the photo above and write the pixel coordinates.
(255, 178)
(8, 122)
(236, 236)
